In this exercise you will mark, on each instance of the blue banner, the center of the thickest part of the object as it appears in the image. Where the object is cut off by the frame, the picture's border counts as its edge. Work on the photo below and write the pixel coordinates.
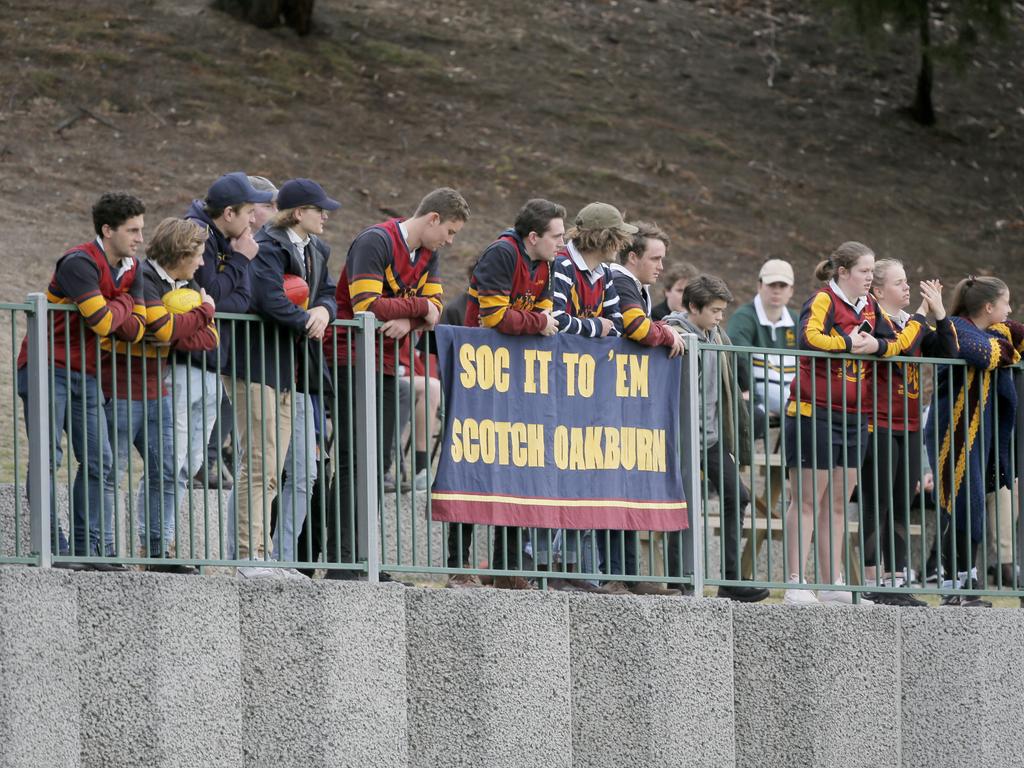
(558, 432)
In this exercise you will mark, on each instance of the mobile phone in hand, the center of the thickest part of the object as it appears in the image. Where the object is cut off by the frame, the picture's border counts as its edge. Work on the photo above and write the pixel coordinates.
(864, 327)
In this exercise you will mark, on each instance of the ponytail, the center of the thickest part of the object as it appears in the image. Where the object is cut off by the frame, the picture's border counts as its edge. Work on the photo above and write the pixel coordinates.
(972, 294)
(845, 256)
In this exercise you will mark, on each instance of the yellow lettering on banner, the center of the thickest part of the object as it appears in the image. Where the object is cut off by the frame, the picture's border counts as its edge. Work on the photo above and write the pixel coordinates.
(628, 460)
(456, 446)
(535, 443)
(470, 449)
(487, 441)
(638, 375)
(621, 390)
(561, 447)
(484, 367)
(643, 450)
(631, 379)
(585, 382)
(576, 457)
(544, 358)
(593, 448)
(468, 375)
(659, 450)
(502, 431)
(520, 457)
(536, 359)
(611, 449)
(570, 359)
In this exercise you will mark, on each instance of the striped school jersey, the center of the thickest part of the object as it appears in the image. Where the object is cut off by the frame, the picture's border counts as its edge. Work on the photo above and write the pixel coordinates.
(508, 290)
(582, 294)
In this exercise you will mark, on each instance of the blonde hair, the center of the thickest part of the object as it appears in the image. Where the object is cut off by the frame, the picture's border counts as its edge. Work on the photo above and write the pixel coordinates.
(608, 242)
(285, 218)
(882, 267)
(175, 240)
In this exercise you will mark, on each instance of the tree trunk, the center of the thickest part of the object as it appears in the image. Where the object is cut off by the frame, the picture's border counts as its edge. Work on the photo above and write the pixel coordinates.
(922, 110)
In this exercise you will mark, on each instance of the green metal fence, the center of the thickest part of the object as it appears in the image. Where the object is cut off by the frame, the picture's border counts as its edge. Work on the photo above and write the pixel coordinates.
(346, 494)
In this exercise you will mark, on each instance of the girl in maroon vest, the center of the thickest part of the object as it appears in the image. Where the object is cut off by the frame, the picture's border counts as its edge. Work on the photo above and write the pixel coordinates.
(825, 431)
(892, 466)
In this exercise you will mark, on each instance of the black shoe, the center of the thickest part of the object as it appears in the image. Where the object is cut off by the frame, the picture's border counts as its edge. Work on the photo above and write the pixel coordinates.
(70, 565)
(108, 567)
(212, 478)
(386, 578)
(743, 594)
(949, 600)
(974, 601)
(184, 570)
(341, 574)
(900, 599)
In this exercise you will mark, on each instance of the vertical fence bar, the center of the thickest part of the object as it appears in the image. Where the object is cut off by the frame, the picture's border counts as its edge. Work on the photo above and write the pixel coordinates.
(691, 460)
(366, 447)
(38, 428)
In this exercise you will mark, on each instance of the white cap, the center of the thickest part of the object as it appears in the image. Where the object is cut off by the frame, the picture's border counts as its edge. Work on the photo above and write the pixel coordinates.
(776, 271)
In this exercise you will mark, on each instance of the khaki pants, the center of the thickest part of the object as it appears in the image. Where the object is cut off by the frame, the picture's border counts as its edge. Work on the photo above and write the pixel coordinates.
(1001, 527)
(263, 423)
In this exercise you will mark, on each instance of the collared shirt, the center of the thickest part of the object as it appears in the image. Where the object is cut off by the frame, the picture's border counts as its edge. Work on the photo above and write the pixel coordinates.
(786, 321)
(404, 232)
(645, 294)
(126, 263)
(593, 275)
(301, 244)
(167, 278)
(858, 307)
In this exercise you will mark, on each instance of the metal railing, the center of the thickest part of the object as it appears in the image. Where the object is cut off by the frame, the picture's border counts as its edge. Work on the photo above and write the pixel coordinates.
(346, 493)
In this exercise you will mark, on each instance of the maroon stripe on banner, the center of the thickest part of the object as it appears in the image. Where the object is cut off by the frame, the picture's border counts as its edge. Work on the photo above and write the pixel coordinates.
(523, 514)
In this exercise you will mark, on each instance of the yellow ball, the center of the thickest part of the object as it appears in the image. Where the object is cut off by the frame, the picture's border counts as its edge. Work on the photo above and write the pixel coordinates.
(181, 300)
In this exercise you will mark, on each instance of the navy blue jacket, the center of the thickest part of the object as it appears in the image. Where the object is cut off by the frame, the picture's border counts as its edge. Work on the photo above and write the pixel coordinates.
(225, 276)
(282, 356)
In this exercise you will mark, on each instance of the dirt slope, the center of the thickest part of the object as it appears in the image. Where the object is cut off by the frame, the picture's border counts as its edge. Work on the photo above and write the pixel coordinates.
(744, 129)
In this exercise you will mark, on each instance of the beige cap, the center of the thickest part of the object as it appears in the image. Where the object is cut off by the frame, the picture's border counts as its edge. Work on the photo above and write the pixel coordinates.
(603, 216)
(776, 271)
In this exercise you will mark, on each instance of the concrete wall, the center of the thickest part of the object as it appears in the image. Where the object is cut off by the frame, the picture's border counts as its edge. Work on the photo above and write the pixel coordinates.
(158, 662)
(817, 686)
(634, 666)
(159, 670)
(489, 683)
(324, 675)
(39, 689)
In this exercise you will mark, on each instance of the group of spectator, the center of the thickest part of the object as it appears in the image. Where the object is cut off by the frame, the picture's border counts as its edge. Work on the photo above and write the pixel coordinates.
(179, 385)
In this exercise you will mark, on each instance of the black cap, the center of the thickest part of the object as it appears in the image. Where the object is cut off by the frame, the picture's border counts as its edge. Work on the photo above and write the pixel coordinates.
(298, 192)
(235, 189)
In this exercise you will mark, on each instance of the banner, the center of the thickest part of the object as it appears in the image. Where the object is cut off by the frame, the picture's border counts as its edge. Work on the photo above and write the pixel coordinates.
(558, 432)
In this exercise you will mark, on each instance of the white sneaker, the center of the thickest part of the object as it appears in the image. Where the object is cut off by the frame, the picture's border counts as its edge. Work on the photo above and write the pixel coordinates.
(291, 574)
(421, 482)
(797, 596)
(257, 572)
(840, 596)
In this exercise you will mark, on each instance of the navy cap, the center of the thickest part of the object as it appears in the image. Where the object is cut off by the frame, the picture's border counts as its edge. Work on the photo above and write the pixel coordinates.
(298, 192)
(235, 189)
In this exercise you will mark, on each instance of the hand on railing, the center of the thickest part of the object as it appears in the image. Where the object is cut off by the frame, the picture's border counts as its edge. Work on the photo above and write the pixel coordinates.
(678, 346)
(550, 324)
(398, 328)
(433, 315)
(864, 343)
(319, 318)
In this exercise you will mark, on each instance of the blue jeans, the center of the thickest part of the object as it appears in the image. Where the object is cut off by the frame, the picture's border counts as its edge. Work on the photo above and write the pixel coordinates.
(301, 465)
(87, 429)
(149, 426)
(196, 394)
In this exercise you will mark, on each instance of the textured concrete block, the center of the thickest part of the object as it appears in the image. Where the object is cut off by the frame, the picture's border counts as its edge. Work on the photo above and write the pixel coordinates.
(39, 691)
(489, 683)
(159, 670)
(963, 687)
(816, 686)
(324, 675)
(634, 663)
